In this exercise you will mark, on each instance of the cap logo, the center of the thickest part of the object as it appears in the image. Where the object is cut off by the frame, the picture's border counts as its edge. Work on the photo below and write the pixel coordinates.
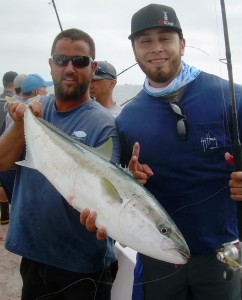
(165, 20)
(165, 15)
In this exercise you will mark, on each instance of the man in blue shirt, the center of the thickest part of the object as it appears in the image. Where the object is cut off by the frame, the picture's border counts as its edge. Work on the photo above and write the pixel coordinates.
(59, 256)
(181, 123)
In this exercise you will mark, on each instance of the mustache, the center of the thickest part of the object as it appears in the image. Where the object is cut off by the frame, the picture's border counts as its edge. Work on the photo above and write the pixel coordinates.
(71, 76)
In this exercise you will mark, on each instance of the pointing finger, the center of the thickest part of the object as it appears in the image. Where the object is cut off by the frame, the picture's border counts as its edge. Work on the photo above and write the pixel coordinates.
(136, 149)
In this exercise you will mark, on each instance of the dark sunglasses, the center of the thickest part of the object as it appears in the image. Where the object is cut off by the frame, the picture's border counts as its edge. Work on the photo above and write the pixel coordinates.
(77, 61)
(99, 71)
(182, 126)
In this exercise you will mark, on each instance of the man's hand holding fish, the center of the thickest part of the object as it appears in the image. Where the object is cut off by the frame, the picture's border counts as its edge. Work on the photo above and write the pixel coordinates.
(88, 218)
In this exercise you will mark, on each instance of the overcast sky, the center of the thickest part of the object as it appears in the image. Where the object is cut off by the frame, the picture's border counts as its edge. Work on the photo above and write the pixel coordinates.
(28, 28)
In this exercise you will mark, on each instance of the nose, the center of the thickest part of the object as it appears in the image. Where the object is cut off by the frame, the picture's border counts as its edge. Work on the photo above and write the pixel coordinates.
(70, 67)
(157, 46)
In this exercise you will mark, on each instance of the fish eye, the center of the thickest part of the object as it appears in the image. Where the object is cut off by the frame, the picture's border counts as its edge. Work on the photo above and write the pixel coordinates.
(163, 229)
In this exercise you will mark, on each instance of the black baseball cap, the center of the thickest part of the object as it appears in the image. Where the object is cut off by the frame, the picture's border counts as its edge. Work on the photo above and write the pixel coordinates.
(152, 16)
(9, 77)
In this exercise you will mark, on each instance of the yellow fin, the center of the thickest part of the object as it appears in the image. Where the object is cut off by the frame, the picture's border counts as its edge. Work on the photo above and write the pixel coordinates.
(105, 150)
(34, 99)
(11, 99)
(110, 189)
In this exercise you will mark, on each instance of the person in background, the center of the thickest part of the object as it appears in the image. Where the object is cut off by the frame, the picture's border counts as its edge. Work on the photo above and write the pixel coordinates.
(102, 85)
(177, 131)
(8, 86)
(26, 88)
(7, 177)
(8, 79)
(17, 86)
(8, 90)
(60, 258)
(18, 95)
(34, 85)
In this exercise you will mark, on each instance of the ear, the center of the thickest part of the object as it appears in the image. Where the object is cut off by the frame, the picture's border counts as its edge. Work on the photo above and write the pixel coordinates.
(94, 66)
(50, 64)
(183, 44)
(133, 46)
(113, 83)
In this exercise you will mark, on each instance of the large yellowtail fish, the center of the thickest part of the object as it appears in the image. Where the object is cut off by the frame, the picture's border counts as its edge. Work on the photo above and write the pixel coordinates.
(85, 177)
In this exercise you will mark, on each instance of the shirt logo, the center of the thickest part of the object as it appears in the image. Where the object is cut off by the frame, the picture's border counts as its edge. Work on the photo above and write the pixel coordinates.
(209, 142)
(79, 135)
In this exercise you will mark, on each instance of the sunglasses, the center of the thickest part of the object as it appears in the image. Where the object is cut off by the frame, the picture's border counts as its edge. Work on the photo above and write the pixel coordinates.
(77, 61)
(182, 126)
(99, 71)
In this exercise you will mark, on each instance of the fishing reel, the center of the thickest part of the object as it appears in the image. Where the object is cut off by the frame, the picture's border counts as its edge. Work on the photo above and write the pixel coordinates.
(230, 255)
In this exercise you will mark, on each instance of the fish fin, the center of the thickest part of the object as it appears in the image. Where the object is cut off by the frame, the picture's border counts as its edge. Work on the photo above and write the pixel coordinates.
(11, 99)
(34, 99)
(126, 170)
(110, 189)
(25, 163)
(105, 150)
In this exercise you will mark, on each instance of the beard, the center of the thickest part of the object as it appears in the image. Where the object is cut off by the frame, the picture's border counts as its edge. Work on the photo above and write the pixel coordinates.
(70, 93)
(161, 74)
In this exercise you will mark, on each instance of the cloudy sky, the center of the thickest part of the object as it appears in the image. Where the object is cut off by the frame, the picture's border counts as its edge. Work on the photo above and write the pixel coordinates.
(28, 28)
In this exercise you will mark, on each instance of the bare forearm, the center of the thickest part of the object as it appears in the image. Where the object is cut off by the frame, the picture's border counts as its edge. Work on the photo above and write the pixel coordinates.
(11, 146)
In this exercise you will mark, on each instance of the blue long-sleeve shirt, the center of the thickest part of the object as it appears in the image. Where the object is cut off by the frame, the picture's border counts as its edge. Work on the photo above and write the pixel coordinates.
(190, 176)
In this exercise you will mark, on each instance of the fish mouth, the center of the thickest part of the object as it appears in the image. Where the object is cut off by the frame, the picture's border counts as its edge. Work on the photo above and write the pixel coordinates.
(185, 253)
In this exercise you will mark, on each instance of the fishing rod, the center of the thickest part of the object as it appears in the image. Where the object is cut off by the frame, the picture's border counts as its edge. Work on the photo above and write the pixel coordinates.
(125, 102)
(199, 49)
(126, 69)
(53, 3)
(229, 253)
(122, 73)
(237, 151)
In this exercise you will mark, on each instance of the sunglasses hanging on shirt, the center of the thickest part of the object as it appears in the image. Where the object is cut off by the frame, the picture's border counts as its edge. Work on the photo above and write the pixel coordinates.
(182, 126)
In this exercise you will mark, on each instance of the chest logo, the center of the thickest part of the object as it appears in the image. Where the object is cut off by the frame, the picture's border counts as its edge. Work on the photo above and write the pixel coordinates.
(209, 142)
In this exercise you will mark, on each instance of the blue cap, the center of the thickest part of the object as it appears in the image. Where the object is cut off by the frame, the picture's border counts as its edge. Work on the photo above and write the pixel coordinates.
(33, 82)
